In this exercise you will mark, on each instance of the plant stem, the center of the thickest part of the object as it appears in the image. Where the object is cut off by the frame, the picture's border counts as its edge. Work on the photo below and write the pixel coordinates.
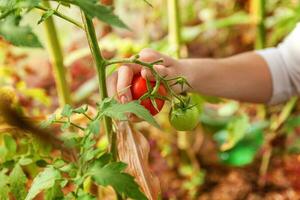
(274, 127)
(75, 125)
(65, 17)
(100, 66)
(5, 14)
(56, 57)
(259, 17)
(174, 26)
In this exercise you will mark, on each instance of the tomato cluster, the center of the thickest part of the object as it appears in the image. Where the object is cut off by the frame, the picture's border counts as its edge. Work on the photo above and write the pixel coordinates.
(139, 88)
(183, 116)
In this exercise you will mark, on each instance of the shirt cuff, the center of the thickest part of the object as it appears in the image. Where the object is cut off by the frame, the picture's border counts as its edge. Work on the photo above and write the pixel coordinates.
(282, 86)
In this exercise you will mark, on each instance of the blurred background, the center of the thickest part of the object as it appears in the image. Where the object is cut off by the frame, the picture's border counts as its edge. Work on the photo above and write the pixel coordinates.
(238, 151)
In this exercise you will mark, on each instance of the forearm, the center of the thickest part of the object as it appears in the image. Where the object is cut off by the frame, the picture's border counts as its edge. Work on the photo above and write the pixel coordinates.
(244, 77)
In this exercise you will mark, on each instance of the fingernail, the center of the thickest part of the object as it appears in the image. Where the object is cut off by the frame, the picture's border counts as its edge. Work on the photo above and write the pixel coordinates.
(123, 99)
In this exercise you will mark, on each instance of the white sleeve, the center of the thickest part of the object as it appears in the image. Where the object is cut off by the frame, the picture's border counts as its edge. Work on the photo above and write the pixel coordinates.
(284, 65)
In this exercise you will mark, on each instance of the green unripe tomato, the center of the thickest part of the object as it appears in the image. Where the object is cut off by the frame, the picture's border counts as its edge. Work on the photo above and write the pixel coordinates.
(184, 119)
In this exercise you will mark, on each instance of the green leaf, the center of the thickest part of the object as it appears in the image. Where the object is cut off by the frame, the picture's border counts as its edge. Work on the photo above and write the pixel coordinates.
(103, 13)
(25, 161)
(245, 150)
(55, 192)
(103, 160)
(17, 181)
(4, 189)
(113, 109)
(18, 35)
(228, 109)
(94, 127)
(112, 174)
(65, 125)
(236, 130)
(8, 164)
(6, 5)
(67, 111)
(44, 180)
(10, 144)
(46, 15)
(90, 154)
(81, 110)
(85, 196)
(292, 123)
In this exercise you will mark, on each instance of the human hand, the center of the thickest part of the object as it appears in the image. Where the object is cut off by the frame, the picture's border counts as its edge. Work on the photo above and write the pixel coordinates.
(119, 82)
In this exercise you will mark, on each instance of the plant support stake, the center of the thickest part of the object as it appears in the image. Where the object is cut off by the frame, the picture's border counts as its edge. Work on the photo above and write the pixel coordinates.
(174, 26)
(259, 9)
(56, 58)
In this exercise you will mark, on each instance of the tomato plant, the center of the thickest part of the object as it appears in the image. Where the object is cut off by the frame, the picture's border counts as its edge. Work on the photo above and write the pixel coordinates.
(89, 163)
(139, 88)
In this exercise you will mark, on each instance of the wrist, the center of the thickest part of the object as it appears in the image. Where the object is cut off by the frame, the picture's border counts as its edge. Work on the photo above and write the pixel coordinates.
(182, 68)
(197, 72)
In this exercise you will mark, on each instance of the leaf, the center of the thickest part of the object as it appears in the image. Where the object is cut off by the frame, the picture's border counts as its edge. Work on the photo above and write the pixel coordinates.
(94, 126)
(10, 144)
(6, 5)
(67, 111)
(18, 35)
(25, 161)
(133, 149)
(90, 154)
(55, 192)
(236, 130)
(245, 150)
(103, 160)
(228, 109)
(85, 196)
(44, 180)
(65, 125)
(46, 15)
(291, 124)
(4, 189)
(112, 174)
(17, 181)
(113, 109)
(103, 13)
(81, 110)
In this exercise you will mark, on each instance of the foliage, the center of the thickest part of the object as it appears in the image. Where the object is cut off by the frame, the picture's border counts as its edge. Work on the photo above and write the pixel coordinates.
(91, 162)
(238, 134)
(11, 13)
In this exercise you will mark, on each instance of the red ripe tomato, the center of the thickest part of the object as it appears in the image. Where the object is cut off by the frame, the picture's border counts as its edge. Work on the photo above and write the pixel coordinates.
(139, 88)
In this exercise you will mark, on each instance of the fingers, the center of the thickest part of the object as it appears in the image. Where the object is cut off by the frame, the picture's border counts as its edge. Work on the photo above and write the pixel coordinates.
(160, 69)
(149, 55)
(118, 83)
(111, 83)
(125, 75)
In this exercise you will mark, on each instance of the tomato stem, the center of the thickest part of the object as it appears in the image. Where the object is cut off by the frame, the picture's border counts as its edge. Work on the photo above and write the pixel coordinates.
(159, 79)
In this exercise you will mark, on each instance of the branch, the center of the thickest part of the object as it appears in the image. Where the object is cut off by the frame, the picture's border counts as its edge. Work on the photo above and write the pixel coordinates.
(58, 14)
